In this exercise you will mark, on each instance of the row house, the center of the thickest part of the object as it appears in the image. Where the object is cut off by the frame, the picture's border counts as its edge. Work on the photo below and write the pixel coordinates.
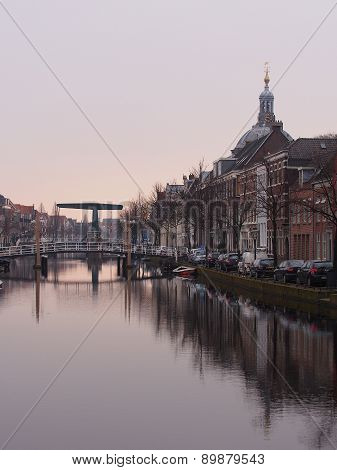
(246, 200)
(235, 222)
(26, 218)
(284, 169)
(254, 177)
(9, 221)
(247, 195)
(17, 224)
(170, 218)
(313, 209)
(230, 193)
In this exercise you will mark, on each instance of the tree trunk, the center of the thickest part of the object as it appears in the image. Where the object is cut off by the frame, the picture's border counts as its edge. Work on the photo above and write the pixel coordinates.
(238, 238)
(335, 250)
(275, 241)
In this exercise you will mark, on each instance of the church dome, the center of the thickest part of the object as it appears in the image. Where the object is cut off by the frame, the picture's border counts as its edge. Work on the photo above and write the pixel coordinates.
(253, 134)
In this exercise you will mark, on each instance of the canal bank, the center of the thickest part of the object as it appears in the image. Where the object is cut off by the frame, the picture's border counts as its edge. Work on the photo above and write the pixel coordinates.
(307, 299)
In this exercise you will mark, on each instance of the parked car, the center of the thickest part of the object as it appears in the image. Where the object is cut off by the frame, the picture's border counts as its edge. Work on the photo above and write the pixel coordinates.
(287, 270)
(248, 258)
(199, 258)
(182, 251)
(193, 252)
(228, 262)
(314, 272)
(262, 268)
(212, 259)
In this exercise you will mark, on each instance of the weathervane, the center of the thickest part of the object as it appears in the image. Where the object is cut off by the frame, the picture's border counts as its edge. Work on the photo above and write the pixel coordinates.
(266, 77)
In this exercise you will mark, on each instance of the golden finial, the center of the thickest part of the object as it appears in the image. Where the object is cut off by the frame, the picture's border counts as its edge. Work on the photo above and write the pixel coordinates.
(266, 77)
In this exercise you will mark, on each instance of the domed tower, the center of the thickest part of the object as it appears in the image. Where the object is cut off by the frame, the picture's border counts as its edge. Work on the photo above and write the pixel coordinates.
(266, 114)
(265, 119)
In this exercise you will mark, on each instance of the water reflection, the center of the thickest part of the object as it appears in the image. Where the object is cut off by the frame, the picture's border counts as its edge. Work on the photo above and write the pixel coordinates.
(267, 374)
(37, 294)
(287, 359)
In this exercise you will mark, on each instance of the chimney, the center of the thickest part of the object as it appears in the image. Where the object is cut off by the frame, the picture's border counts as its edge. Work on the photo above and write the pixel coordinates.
(277, 126)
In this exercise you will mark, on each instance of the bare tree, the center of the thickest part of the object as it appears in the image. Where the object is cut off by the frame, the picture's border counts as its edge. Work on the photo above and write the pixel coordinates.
(54, 223)
(323, 187)
(171, 216)
(195, 205)
(154, 215)
(272, 199)
(84, 226)
(328, 135)
(233, 212)
(9, 227)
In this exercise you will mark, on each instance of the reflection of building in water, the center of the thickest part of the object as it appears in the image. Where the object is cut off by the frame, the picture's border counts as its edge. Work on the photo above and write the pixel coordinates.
(279, 355)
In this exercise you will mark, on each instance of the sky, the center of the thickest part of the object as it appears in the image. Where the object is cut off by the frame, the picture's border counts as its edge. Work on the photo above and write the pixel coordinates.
(166, 83)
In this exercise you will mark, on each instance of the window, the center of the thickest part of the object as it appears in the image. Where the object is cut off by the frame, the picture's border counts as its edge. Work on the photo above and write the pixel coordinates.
(324, 209)
(295, 254)
(318, 245)
(329, 245)
(324, 246)
(234, 187)
(293, 218)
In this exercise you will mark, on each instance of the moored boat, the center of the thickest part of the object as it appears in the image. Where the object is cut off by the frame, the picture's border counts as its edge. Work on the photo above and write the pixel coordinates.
(184, 270)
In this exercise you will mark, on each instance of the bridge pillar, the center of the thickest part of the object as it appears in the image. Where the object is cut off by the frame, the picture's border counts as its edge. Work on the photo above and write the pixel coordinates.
(37, 241)
(95, 221)
(125, 266)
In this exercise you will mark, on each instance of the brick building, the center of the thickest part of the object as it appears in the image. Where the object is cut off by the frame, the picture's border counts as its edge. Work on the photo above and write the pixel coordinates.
(313, 204)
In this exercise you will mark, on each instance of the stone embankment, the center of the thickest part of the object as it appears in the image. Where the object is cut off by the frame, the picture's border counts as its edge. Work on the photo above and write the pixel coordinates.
(302, 298)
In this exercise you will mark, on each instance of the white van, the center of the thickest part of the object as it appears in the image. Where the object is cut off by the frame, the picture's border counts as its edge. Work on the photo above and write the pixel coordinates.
(248, 258)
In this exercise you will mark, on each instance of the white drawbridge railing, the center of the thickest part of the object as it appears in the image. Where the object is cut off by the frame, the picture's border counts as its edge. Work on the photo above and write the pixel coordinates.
(87, 247)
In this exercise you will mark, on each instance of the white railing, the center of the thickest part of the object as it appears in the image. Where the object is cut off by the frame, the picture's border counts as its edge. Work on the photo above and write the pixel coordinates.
(80, 247)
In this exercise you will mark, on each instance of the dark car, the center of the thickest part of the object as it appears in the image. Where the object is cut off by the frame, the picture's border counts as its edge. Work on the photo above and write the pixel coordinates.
(287, 270)
(262, 268)
(212, 259)
(228, 262)
(314, 273)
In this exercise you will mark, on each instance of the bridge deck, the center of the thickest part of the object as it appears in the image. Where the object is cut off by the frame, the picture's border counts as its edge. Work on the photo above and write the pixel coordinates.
(87, 247)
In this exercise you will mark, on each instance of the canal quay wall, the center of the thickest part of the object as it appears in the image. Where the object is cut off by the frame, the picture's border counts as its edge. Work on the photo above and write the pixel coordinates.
(305, 299)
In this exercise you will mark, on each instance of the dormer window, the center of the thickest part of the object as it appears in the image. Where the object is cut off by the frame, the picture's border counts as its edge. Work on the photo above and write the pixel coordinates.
(304, 175)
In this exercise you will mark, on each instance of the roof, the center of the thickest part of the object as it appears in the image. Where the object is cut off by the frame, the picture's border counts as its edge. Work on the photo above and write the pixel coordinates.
(25, 210)
(304, 149)
(174, 188)
(322, 164)
(256, 132)
(249, 151)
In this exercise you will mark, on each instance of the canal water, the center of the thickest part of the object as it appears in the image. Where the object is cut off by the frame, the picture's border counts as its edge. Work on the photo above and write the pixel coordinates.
(157, 363)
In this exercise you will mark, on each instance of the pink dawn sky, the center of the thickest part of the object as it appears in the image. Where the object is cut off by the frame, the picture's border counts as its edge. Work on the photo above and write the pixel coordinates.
(165, 82)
